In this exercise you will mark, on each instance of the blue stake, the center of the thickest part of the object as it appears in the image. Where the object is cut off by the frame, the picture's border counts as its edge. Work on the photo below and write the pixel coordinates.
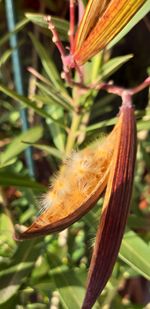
(18, 77)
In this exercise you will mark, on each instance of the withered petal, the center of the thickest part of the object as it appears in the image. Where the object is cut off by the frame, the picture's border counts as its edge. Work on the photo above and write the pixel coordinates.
(115, 210)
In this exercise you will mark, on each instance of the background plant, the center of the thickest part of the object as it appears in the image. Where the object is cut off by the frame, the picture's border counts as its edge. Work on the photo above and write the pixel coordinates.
(34, 272)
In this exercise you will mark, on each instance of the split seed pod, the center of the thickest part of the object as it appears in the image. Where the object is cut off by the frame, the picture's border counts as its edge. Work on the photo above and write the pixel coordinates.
(115, 209)
(79, 184)
(101, 22)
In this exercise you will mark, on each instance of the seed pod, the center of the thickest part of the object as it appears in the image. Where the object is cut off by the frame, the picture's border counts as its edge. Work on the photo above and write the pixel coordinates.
(102, 20)
(75, 190)
(115, 209)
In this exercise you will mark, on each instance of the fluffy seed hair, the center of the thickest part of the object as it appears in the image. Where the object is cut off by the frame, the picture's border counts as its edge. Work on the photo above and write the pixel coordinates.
(76, 187)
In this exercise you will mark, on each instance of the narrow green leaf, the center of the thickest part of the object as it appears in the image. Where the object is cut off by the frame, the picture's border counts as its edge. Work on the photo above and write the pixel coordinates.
(72, 284)
(136, 253)
(28, 103)
(113, 65)
(12, 179)
(137, 17)
(48, 64)
(141, 124)
(96, 65)
(58, 135)
(12, 269)
(102, 124)
(61, 25)
(57, 99)
(95, 71)
(103, 104)
(17, 28)
(92, 69)
(36, 306)
(138, 222)
(16, 146)
(68, 283)
(5, 56)
(14, 274)
(6, 231)
(50, 150)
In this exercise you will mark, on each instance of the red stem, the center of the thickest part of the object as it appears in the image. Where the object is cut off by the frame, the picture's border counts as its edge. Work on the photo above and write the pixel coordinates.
(122, 91)
(55, 38)
(140, 87)
(68, 63)
(72, 25)
(80, 10)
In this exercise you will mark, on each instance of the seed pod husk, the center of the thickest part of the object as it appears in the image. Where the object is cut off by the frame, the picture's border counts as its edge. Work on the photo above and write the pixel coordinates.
(115, 209)
(101, 22)
(76, 189)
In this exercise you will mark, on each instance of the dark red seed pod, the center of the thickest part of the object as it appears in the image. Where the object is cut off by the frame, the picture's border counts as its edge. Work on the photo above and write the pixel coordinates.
(115, 209)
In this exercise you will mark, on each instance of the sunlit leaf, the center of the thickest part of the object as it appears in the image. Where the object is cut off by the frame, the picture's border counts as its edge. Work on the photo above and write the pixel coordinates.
(136, 253)
(13, 276)
(17, 28)
(17, 145)
(13, 179)
(48, 64)
(138, 16)
(57, 133)
(113, 65)
(49, 150)
(56, 98)
(5, 57)
(61, 25)
(27, 103)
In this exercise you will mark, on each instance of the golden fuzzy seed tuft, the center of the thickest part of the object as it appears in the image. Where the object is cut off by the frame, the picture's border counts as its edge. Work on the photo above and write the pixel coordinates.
(77, 186)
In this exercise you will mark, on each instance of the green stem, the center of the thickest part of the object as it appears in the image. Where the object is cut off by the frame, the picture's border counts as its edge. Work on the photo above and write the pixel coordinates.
(7, 212)
(73, 132)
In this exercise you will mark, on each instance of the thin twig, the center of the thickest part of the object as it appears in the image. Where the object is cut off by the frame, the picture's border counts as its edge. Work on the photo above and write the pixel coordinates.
(72, 25)
(38, 75)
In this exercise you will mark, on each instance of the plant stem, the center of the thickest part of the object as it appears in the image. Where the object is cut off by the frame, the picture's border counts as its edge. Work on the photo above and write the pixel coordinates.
(7, 212)
(76, 119)
(72, 24)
